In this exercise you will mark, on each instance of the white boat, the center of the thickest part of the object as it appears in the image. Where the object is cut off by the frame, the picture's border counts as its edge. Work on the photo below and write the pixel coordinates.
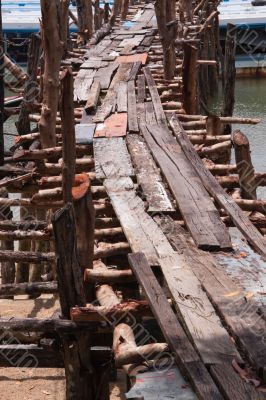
(249, 16)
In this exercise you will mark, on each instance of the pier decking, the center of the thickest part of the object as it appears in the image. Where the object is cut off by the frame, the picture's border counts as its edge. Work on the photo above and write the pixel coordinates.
(152, 229)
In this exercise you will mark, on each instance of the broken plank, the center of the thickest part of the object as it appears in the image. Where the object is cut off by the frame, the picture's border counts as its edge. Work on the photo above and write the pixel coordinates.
(183, 352)
(82, 84)
(200, 215)
(111, 158)
(148, 176)
(238, 216)
(133, 125)
(93, 96)
(104, 75)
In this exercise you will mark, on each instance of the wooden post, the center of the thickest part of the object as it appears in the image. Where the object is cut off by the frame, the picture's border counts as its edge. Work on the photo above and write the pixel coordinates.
(165, 13)
(97, 16)
(53, 51)
(190, 79)
(68, 134)
(115, 11)
(85, 18)
(213, 125)
(244, 165)
(31, 90)
(2, 90)
(124, 11)
(230, 74)
(106, 12)
(76, 347)
(185, 10)
(64, 24)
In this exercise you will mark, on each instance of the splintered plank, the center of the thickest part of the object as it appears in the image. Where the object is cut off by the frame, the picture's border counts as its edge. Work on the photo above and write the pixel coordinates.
(104, 75)
(158, 108)
(141, 57)
(148, 176)
(84, 133)
(82, 84)
(111, 158)
(110, 100)
(183, 352)
(114, 126)
(93, 96)
(133, 125)
(240, 219)
(130, 211)
(199, 213)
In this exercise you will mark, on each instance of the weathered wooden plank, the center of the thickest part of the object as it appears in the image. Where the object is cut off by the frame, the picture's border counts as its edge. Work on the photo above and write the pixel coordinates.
(196, 207)
(134, 41)
(159, 112)
(141, 57)
(112, 158)
(121, 97)
(94, 64)
(183, 352)
(239, 218)
(114, 126)
(130, 211)
(109, 102)
(148, 176)
(104, 75)
(93, 96)
(133, 125)
(134, 71)
(141, 83)
(82, 84)
(232, 386)
(240, 314)
(149, 113)
(84, 133)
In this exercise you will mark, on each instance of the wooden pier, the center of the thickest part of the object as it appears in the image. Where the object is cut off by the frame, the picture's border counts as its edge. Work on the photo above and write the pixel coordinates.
(130, 210)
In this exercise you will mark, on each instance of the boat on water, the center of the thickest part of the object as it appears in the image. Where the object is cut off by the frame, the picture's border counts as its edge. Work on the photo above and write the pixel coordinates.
(249, 17)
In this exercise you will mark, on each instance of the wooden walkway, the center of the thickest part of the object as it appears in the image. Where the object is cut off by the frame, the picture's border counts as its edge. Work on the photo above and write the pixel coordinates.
(155, 198)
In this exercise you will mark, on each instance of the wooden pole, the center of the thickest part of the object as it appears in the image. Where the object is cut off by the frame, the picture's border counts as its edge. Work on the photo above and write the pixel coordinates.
(68, 134)
(190, 73)
(85, 18)
(230, 74)
(53, 51)
(76, 347)
(165, 12)
(2, 90)
(245, 169)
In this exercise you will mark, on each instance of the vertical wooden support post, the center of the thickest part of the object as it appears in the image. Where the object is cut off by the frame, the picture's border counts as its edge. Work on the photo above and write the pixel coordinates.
(213, 125)
(165, 12)
(2, 93)
(244, 166)
(7, 267)
(115, 11)
(53, 51)
(64, 25)
(190, 92)
(85, 225)
(68, 134)
(97, 16)
(76, 347)
(106, 12)
(185, 10)
(31, 90)
(230, 74)
(124, 11)
(85, 18)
